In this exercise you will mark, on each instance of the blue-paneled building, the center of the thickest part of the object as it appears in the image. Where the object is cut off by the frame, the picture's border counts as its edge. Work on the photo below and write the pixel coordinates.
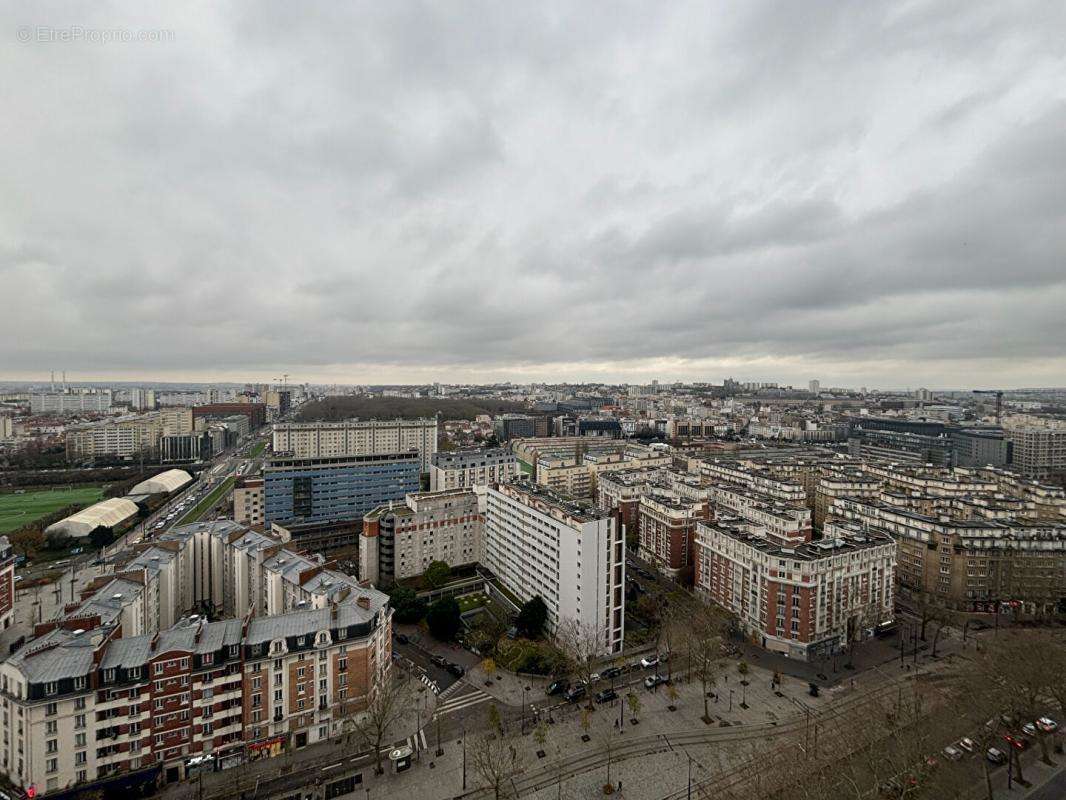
(338, 488)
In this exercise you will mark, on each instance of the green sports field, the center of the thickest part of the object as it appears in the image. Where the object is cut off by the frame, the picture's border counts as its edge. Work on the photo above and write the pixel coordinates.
(17, 510)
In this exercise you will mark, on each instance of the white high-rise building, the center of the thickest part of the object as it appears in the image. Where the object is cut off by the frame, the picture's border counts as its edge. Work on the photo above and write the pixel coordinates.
(566, 551)
(369, 437)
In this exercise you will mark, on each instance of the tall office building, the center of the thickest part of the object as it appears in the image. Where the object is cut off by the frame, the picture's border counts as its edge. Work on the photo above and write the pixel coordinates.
(334, 489)
(370, 437)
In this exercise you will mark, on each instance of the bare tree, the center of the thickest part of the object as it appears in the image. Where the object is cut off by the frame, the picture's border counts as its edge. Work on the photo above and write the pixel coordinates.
(389, 703)
(582, 644)
(703, 647)
(495, 760)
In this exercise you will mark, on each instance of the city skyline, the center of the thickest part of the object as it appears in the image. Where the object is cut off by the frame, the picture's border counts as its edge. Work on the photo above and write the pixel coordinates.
(400, 195)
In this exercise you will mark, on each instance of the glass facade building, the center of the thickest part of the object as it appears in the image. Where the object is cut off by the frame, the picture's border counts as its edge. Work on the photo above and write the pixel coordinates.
(336, 489)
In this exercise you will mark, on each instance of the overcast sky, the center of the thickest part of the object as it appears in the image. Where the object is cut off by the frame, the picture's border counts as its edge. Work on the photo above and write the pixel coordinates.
(867, 193)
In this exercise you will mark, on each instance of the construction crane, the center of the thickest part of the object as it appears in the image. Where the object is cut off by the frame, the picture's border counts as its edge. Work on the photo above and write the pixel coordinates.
(999, 399)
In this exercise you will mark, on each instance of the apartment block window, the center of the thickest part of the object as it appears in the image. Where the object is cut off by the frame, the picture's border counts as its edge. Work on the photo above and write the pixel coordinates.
(79, 757)
(79, 721)
(52, 746)
(51, 687)
(82, 776)
(51, 709)
(159, 668)
(51, 765)
(109, 676)
(79, 740)
(135, 672)
(79, 703)
(51, 728)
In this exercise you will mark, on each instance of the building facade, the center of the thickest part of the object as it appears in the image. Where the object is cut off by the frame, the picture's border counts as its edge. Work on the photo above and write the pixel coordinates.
(400, 540)
(355, 437)
(335, 488)
(461, 469)
(569, 553)
(248, 502)
(805, 601)
(96, 694)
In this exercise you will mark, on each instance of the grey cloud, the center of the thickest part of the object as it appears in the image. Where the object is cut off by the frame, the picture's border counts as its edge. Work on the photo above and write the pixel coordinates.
(406, 187)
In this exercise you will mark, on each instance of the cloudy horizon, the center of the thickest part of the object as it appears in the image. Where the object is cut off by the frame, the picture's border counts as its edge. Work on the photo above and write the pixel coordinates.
(865, 194)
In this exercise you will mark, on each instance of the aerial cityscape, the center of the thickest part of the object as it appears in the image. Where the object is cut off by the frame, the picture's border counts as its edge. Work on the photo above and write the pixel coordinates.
(480, 401)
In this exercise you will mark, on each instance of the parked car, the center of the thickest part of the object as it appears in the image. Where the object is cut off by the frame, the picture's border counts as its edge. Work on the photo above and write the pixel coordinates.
(996, 756)
(1047, 724)
(653, 680)
(1015, 741)
(556, 687)
(593, 677)
(952, 753)
(611, 672)
(1029, 729)
(574, 694)
(606, 696)
(966, 743)
(649, 661)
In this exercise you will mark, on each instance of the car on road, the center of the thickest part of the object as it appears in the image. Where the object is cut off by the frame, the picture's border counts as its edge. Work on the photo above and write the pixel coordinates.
(440, 661)
(1047, 724)
(556, 687)
(653, 680)
(966, 743)
(574, 693)
(611, 672)
(402, 638)
(606, 696)
(649, 661)
(456, 669)
(996, 756)
(952, 753)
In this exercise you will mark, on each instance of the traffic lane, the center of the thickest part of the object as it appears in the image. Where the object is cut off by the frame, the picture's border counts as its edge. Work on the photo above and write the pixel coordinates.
(415, 655)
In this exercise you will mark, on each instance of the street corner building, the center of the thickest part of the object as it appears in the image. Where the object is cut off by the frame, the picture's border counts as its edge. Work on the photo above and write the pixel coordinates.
(127, 684)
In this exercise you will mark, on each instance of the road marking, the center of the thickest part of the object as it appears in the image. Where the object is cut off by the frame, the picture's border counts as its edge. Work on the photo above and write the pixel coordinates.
(332, 766)
(458, 702)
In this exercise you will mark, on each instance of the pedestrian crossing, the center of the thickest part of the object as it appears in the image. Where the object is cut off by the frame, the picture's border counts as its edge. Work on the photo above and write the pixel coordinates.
(458, 696)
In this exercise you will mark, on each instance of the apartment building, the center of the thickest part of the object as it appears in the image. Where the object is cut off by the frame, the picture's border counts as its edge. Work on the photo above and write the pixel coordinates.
(335, 488)
(969, 563)
(760, 479)
(1038, 446)
(571, 554)
(370, 437)
(118, 437)
(461, 469)
(249, 501)
(578, 475)
(400, 540)
(514, 426)
(7, 583)
(806, 601)
(842, 484)
(667, 531)
(122, 682)
(70, 402)
(176, 420)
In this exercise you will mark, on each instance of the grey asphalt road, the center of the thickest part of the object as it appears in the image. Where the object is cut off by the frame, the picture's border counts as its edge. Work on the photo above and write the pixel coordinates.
(1054, 789)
